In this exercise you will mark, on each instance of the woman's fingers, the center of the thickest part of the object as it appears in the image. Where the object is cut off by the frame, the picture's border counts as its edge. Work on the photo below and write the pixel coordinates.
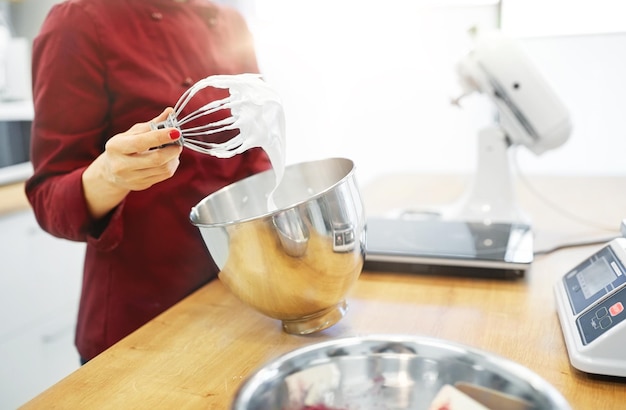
(133, 163)
(141, 137)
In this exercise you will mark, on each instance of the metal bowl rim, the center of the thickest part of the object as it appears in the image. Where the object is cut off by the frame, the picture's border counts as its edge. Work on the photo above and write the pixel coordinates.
(276, 211)
(271, 368)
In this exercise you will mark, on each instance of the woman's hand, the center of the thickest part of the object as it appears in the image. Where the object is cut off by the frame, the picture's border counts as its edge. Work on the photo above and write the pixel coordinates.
(130, 163)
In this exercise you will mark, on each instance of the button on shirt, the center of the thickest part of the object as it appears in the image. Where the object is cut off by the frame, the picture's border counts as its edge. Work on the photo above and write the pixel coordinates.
(99, 67)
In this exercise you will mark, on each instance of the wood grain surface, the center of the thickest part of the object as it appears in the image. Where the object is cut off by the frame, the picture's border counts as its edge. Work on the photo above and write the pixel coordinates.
(198, 353)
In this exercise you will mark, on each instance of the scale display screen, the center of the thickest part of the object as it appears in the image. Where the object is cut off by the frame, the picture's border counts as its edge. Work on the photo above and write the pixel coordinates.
(593, 279)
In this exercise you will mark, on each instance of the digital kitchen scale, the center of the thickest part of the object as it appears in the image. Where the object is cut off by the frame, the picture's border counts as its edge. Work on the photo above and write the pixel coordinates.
(591, 305)
(447, 247)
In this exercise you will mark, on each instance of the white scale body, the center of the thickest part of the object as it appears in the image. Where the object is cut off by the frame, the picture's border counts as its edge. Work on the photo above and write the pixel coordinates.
(591, 305)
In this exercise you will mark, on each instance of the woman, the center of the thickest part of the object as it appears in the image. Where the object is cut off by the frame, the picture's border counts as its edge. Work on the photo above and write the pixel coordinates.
(102, 70)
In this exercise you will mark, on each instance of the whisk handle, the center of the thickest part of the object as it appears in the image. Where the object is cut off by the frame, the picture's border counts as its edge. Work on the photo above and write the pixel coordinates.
(169, 123)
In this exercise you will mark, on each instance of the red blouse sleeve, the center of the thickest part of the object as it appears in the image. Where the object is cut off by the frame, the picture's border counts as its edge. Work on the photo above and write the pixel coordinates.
(70, 119)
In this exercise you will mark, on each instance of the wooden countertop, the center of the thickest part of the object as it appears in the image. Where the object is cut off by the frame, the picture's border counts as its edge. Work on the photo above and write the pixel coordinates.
(13, 198)
(197, 354)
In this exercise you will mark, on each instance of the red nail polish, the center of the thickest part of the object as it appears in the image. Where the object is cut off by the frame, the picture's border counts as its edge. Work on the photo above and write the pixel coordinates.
(174, 134)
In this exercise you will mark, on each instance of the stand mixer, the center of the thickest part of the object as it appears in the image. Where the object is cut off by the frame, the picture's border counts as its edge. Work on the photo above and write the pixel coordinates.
(485, 231)
(530, 115)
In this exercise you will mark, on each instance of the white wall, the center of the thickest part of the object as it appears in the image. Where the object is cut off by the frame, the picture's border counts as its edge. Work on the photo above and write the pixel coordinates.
(587, 71)
(372, 82)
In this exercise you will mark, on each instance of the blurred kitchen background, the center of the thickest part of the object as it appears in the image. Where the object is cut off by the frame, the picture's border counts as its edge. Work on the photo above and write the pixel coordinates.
(368, 80)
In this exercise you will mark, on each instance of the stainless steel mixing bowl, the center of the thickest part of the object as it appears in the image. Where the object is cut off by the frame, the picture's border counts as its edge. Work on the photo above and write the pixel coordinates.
(391, 372)
(297, 262)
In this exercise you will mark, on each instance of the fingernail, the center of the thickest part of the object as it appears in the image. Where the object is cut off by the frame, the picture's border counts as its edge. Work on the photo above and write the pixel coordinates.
(174, 134)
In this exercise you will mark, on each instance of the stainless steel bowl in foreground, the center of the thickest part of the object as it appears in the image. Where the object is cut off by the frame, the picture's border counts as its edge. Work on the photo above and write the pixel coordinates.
(389, 372)
(294, 257)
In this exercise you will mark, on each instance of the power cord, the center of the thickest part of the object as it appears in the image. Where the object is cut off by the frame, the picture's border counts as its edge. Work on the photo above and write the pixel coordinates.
(551, 204)
(563, 212)
(590, 242)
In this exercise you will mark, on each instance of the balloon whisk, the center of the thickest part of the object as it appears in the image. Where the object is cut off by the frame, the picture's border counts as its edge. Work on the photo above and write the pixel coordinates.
(255, 110)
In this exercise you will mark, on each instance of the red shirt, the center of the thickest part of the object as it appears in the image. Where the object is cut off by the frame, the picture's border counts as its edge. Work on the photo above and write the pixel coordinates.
(99, 67)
